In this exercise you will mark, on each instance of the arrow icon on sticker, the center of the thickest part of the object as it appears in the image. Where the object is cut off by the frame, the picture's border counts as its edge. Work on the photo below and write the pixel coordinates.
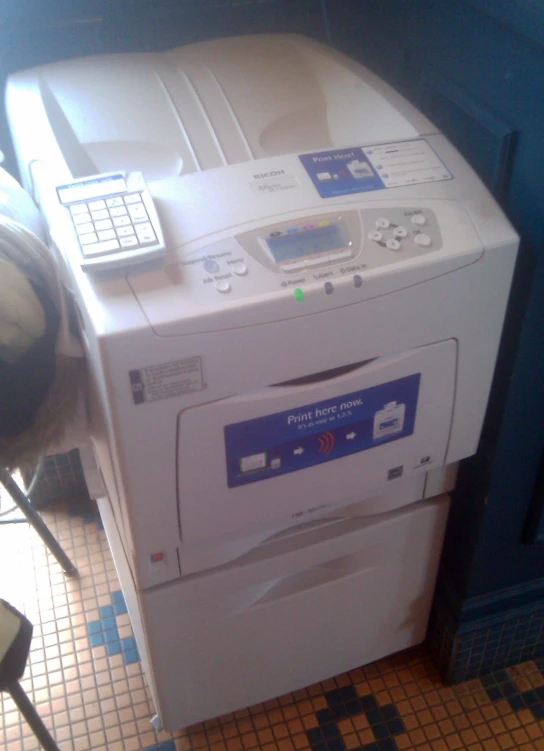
(299, 451)
(351, 436)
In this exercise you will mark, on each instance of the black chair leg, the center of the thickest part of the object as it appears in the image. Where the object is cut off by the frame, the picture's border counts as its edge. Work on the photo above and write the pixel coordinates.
(28, 711)
(36, 521)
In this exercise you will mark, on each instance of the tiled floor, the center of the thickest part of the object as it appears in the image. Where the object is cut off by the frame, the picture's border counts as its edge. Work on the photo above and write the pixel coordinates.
(85, 677)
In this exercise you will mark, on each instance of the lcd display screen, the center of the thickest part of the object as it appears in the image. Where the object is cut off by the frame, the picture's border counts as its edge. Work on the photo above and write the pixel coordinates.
(306, 242)
(94, 187)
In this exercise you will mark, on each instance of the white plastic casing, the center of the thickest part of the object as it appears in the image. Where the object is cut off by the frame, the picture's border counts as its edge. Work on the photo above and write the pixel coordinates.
(177, 348)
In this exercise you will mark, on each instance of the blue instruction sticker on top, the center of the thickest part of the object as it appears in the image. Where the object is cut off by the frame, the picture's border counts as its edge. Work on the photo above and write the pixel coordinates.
(273, 445)
(339, 172)
(384, 165)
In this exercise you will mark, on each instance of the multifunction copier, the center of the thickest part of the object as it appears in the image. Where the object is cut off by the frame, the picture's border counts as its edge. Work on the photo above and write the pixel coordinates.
(291, 289)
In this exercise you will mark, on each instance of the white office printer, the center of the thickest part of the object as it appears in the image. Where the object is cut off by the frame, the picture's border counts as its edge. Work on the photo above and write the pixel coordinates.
(291, 289)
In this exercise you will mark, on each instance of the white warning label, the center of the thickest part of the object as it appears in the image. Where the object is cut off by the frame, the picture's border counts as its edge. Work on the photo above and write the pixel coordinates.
(406, 163)
(166, 380)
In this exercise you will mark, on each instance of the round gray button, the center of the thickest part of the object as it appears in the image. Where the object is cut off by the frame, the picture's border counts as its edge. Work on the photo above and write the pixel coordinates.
(400, 232)
(329, 288)
(240, 269)
(393, 244)
(211, 266)
(382, 222)
(423, 240)
(375, 235)
(419, 219)
(358, 280)
(222, 286)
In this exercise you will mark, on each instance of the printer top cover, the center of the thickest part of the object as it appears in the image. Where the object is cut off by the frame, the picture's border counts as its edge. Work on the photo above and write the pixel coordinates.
(210, 105)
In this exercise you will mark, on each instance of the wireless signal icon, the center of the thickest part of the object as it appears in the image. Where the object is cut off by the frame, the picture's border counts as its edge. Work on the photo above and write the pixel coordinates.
(326, 443)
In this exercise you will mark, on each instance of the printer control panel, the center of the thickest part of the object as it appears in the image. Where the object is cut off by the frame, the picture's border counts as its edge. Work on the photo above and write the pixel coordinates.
(364, 252)
(321, 249)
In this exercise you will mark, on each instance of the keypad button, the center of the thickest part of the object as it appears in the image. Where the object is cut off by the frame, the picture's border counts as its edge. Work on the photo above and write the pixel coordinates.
(137, 212)
(329, 288)
(419, 220)
(133, 198)
(99, 248)
(125, 231)
(84, 229)
(100, 214)
(96, 205)
(129, 242)
(107, 234)
(223, 286)
(121, 221)
(211, 266)
(393, 245)
(145, 232)
(104, 224)
(82, 218)
(400, 232)
(240, 269)
(113, 202)
(78, 208)
(375, 235)
(88, 239)
(357, 281)
(382, 223)
(423, 240)
(118, 211)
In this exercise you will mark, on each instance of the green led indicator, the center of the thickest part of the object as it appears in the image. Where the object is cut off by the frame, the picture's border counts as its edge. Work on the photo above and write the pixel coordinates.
(299, 294)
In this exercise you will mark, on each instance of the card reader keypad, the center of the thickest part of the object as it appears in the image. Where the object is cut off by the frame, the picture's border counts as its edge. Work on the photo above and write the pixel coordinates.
(110, 225)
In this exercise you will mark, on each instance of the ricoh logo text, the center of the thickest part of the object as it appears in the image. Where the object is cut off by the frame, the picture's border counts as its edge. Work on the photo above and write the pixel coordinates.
(274, 173)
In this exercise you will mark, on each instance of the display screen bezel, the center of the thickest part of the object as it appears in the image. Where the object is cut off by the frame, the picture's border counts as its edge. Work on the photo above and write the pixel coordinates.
(284, 238)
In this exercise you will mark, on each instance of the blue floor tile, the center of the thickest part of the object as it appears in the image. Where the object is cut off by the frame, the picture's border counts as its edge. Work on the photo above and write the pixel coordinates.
(390, 712)
(331, 731)
(389, 744)
(129, 642)
(374, 716)
(166, 746)
(112, 636)
(119, 604)
(396, 726)
(368, 702)
(130, 656)
(336, 745)
(315, 735)
(353, 707)
(120, 608)
(109, 623)
(97, 640)
(494, 693)
(334, 697)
